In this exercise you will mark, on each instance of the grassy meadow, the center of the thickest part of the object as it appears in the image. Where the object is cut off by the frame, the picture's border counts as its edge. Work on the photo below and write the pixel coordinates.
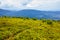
(29, 29)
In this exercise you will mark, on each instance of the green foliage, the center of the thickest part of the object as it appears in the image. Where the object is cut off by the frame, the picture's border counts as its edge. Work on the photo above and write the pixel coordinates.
(34, 18)
(49, 22)
(24, 28)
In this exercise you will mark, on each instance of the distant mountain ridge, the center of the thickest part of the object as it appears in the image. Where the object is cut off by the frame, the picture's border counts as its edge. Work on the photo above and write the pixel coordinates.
(32, 13)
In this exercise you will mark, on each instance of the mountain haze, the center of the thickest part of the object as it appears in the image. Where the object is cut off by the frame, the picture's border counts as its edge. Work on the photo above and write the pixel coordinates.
(32, 13)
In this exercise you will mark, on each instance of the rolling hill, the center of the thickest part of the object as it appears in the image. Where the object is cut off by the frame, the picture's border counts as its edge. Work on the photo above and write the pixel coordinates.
(32, 14)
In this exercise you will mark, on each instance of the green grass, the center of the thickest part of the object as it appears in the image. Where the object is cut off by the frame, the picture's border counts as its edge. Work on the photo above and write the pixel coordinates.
(29, 29)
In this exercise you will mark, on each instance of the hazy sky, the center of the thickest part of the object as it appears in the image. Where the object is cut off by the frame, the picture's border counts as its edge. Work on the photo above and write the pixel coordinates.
(51, 5)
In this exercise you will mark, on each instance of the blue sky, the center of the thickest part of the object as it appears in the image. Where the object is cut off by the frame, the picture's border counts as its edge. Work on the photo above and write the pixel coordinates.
(47, 5)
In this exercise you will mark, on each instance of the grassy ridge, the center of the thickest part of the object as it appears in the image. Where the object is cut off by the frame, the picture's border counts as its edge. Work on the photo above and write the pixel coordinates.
(29, 29)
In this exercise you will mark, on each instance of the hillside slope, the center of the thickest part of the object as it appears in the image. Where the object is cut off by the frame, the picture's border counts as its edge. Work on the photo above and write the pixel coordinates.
(29, 29)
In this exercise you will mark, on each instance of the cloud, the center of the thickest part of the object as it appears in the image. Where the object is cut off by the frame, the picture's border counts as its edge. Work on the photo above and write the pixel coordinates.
(30, 4)
(13, 4)
(45, 5)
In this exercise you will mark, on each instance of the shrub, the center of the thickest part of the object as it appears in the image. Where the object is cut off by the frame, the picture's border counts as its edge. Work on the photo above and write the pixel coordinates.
(34, 18)
(49, 22)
